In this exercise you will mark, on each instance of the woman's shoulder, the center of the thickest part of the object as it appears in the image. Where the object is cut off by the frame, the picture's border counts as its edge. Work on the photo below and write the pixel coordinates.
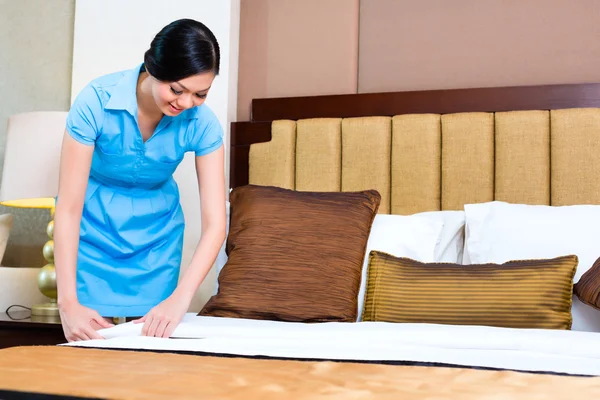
(87, 113)
(107, 81)
(101, 88)
(201, 117)
(207, 132)
(203, 113)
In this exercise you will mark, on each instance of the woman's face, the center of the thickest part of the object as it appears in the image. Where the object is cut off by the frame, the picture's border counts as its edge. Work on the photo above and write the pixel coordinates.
(172, 98)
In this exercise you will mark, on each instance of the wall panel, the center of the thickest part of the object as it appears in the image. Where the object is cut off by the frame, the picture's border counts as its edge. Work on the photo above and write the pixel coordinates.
(439, 44)
(296, 48)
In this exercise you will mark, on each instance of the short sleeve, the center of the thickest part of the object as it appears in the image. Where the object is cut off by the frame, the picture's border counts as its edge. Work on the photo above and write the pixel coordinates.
(83, 119)
(207, 135)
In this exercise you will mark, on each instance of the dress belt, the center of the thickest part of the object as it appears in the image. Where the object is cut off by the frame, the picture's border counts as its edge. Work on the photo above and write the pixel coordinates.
(122, 320)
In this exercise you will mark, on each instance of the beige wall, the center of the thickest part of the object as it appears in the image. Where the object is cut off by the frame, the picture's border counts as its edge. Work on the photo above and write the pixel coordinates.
(295, 48)
(312, 47)
(35, 74)
(439, 44)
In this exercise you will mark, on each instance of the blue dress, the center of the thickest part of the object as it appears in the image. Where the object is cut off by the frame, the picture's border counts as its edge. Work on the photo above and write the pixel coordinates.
(132, 224)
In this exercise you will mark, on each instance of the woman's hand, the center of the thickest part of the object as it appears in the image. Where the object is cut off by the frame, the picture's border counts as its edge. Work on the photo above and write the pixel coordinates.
(80, 323)
(162, 320)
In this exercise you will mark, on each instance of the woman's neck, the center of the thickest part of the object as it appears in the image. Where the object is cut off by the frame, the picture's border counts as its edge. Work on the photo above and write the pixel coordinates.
(146, 104)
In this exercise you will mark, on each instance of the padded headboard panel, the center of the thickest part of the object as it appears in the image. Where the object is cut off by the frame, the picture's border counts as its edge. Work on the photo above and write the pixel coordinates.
(429, 162)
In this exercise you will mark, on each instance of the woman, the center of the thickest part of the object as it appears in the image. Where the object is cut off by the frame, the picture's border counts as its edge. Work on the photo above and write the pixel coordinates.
(118, 222)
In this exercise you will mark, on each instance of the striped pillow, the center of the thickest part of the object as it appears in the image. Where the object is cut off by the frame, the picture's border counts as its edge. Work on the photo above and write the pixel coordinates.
(516, 294)
(588, 287)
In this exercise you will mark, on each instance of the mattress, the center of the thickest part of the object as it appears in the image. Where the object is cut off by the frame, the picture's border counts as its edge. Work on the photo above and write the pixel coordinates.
(224, 358)
(526, 350)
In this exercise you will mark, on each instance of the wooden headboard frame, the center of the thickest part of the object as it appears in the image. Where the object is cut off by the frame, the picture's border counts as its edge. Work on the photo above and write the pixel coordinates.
(264, 111)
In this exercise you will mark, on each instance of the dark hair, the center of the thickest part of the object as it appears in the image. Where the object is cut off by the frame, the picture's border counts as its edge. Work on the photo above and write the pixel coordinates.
(181, 49)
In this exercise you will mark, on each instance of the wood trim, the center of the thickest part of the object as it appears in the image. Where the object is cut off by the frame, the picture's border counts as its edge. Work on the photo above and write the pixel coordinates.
(247, 133)
(243, 134)
(264, 111)
(429, 101)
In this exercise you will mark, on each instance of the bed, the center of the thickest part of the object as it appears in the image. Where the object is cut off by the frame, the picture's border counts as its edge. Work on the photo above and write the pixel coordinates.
(429, 244)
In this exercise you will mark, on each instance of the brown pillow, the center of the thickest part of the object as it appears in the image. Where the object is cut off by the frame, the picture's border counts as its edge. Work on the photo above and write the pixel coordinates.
(588, 287)
(294, 256)
(515, 294)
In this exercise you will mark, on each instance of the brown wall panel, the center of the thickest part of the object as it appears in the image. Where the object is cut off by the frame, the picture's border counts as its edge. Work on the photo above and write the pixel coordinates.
(441, 44)
(296, 48)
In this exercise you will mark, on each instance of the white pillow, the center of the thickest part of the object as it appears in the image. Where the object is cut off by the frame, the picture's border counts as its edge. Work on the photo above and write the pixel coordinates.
(410, 236)
(451, 243)
(498, 232)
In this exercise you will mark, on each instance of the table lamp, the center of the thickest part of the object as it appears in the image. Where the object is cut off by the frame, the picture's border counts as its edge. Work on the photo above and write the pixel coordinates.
(30, 180)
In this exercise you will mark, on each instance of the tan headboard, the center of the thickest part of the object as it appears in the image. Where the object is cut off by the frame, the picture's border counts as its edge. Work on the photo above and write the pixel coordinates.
(438, 161)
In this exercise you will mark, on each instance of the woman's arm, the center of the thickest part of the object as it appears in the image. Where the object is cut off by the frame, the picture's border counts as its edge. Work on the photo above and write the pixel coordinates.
(163, 320)
(211, 182)
(73, 176)
(72, 183)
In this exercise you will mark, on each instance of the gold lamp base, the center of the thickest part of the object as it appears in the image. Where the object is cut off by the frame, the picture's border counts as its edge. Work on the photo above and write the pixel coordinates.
(49, 309)
(47, 280)
(47, 276)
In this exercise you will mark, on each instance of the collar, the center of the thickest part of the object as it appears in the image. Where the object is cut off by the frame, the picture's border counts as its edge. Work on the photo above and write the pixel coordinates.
(124, 97)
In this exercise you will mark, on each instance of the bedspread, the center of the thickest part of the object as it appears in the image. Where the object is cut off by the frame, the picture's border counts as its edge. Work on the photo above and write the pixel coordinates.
(124, 374)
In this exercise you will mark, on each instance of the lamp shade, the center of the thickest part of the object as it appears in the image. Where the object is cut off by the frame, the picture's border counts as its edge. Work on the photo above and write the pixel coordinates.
(32, 156)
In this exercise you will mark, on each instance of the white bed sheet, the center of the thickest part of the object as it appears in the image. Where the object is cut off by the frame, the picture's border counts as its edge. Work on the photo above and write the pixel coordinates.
(557, 351)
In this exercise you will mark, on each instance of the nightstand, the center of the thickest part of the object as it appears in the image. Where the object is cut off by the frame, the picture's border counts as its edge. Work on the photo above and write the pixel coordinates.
(20, 329)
